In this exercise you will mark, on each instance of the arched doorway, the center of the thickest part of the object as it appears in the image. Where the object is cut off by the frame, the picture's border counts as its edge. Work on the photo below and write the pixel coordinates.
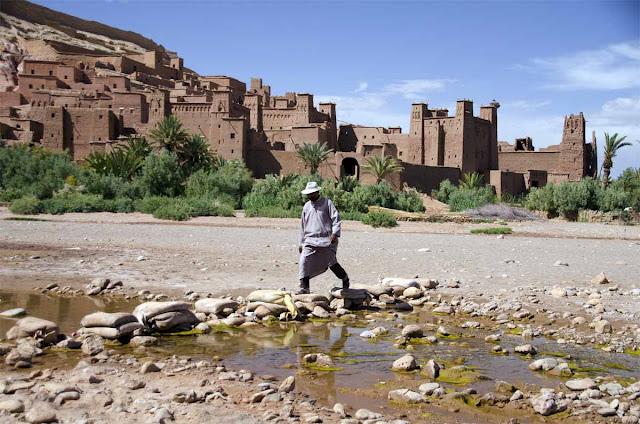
(350, 168)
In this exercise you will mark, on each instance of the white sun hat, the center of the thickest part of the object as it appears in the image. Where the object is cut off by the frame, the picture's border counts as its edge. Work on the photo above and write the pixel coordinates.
(311, 187)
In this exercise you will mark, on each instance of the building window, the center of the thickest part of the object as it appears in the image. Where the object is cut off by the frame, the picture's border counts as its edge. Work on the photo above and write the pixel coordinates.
(30, 85)
(53, 115)
(115, 85)
(233, 135)
(32, 72)
(231, 151)
(50, 73)
(65, 77)
(99, 116)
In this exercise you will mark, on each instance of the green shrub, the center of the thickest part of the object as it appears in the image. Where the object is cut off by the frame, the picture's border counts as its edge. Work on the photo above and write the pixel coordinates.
(371, 195)
(570, 197)
(444, 191)
(542, 199)
(409, 201)
(27, 205)
(492, 230)
(174, 210)
(614, 199)
(204, 206)
(352, 216)
(273, 212)
(25, 170)
(380, 219)
(119, 205)
(74, 202)
(109, 186)
(232, 179)
(161, 175)
(463, 199)
(150, 204)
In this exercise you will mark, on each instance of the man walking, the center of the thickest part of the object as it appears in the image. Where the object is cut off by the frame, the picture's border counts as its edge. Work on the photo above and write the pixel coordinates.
(318, 243)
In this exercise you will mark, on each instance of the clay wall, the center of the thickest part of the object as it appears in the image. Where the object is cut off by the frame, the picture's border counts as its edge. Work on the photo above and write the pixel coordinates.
(39, 68)
(11, 98)
(425, 179)
(507, 182)
(53, 119)
(523, 161)
(85, 125)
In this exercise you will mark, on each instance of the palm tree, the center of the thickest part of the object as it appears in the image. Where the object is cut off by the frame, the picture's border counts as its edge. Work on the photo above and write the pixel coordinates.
(381, 166)
(169, 133)
(193, 154)
(471, 181)
(611, 146)
(313, 155)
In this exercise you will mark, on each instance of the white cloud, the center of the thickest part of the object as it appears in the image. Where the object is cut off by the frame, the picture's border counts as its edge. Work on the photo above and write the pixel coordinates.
(414, 89)
(362, 86)
(614, 67)
(524, 104)
(374, 108)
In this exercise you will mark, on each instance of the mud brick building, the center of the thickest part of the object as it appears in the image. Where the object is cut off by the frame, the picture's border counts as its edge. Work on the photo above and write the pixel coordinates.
(71, 98)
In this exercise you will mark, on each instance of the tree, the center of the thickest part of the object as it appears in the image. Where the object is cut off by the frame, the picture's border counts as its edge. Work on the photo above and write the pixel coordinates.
(382, 166)
(193, 154)
(611, 146)
(124, 161)
(471, 181)
(313, 155)
(169, 133)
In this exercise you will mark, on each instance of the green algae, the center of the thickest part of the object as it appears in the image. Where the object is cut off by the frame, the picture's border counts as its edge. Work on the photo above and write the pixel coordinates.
(555, 354)
(617, 366)
(629, 351)
(458, 375)
(322, 368)
(514, 331)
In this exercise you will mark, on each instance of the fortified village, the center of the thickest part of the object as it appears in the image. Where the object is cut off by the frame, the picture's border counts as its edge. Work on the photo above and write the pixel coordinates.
(66, 97)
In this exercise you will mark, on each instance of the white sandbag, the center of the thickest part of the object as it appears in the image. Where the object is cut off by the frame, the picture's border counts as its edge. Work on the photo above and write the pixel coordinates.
(170, 320)
(266, 309)
(400, 282)
(148, 310)
(105, 319)
(215, 306)
(31, 326)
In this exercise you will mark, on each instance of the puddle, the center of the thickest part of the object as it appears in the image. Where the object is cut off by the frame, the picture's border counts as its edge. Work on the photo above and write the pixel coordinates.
(363, 376)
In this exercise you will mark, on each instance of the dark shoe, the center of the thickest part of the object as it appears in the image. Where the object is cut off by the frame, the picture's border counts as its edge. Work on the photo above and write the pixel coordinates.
(303, 290)
(345, 284)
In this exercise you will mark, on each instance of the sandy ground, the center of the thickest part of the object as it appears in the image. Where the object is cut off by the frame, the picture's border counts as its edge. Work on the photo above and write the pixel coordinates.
(221, 255)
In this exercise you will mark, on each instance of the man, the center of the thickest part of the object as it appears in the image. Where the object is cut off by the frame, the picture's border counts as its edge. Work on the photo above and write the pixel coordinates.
(319, 233)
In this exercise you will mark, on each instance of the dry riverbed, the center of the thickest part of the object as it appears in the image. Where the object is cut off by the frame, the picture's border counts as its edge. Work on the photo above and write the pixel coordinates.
(519, 328)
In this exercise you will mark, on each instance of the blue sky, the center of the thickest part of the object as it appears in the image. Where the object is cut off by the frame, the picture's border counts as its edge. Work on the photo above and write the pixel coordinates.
(540, 59)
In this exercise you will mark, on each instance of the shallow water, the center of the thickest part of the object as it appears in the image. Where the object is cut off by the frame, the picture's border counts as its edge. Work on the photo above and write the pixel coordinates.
(363, 373)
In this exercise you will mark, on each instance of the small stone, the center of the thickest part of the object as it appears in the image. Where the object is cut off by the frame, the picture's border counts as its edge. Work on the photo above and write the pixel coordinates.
(412, 331)
(318, 359)
(603, 327)
(432, 369)
(13, 313)
(504, 387)
(580, 384)
(517, 395)
(92, 345)
(526, 349)
(600, 279)
(544, 364)
(405, 363)
(320, 312)
(338, 408)
(149, 367)
(12, 406)
(365, 414)
(287, 385)
(143, 341)
(427, 389)
(560, 263)
(606, 412)
(558, 292)
(405, 395)
(41, 412)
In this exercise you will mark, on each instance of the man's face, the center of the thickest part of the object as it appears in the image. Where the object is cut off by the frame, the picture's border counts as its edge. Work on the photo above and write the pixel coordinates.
(313, 196)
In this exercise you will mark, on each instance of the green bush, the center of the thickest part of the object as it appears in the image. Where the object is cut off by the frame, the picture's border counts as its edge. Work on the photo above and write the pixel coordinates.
(232, 179)
(27, 205)
(119, 205)
(150, 204)
(444, 191)
(410, 201)
(25, 170)
(110, 186)
(161, 175)
(380, 219)
(492, 230)
(542, 199)
(463, 199)
(614, 199)
(204, 206)
(273, 212)
(570, 197)
(74, 202)
(371, 195)
(174, 210)
(352, 216)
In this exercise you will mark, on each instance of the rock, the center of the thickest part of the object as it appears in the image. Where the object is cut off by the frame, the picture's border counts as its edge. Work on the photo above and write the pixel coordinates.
(546, 404)
(405, 363)
(558, 292)
(579, 384)
(92, 345)
(215, 306)
(613, 389)
(504, 387)
(41, 412)
(20, 356)
(405, 395)
(64, 397)
(543, 364)
(339, 410)
(148, 310)
(427, 389)
(13, 313)
(318, 359)
(93, 291)
(560, 263)
(143, 341)
(365, 414)
(412, 331)
(376, 332)
(13, 406)
(578, 321)
(444, 309)
(233, 321)
(412, 293)
(105, 319)
(69, 343)
(320, 312)
(526, 349)
(169, 321)
(600, 279)
(517, 395)
(189, 396)
(400, 282)
(603, 327)
(257, 397)
(287, 385)
(606, 412)
(432, 369)
(562, 370)
(149, 367)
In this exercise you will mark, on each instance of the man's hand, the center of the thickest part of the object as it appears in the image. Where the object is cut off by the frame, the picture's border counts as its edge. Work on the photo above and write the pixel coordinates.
(334, 238)
(299, 249)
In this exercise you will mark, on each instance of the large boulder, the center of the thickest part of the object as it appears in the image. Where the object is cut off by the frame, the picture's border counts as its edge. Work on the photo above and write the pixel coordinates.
(106, 319)
(215, 306)
(405, 363)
